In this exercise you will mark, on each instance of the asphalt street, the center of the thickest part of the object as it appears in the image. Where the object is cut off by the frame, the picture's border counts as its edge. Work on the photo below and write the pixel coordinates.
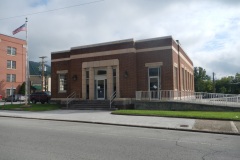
(28, 139)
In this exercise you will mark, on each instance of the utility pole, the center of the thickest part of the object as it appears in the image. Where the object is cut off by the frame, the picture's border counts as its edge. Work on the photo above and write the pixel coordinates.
(42, 66)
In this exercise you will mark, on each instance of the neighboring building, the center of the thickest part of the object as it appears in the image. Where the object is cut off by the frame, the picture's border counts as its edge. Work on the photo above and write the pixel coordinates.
(126, 66)
(35, 71)
(12, 64)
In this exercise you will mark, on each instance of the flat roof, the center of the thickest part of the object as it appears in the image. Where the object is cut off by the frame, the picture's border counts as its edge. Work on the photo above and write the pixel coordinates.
(12, 37)
(151, 39)
(102, 44)
(60, 52)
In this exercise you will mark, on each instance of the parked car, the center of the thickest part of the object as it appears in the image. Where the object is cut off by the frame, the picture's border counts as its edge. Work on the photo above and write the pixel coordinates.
(40, 97)
(15, 98)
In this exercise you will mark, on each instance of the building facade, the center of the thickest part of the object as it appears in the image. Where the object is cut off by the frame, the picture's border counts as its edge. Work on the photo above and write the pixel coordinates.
(12, 64)
(94, 72)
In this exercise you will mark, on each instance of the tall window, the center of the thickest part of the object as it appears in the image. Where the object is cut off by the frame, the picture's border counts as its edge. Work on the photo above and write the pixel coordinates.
(114, 80)
(154, 78)
(10, 91)
(186, 80)
(11, 64)
(62, 82)
(11, 77)
(175, 77)
(11, 51)
(183, 79)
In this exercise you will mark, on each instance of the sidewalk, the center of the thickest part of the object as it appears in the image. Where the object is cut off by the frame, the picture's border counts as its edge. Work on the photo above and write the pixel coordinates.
(105, 117)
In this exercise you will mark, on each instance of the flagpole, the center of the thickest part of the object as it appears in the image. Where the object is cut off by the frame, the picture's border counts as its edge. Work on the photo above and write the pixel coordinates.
(27, 70)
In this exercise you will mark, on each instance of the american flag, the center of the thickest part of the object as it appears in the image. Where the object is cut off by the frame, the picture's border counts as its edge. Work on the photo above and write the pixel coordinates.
(21, 28)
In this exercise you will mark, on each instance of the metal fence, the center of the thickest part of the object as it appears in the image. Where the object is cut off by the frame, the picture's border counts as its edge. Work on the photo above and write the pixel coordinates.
(188, 96)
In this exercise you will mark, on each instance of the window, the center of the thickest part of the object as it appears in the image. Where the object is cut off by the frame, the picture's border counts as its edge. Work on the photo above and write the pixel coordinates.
(11, 51)
(154, 79)
(11, 77)
(175, 77)
(10, 91)
(11, 64)
(183, 79)
(114, 80)
(62, 82)
(186, 80)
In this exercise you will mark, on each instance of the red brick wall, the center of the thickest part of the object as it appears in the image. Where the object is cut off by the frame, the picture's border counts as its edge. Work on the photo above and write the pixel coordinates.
(164, 56)
(187, 67)
(20, 59)
(132, 63)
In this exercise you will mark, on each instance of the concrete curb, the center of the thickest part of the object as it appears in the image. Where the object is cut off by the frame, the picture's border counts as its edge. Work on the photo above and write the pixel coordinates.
(127, 125)
(178, 117)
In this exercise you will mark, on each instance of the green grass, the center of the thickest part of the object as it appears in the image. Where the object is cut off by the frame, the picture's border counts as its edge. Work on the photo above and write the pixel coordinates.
(31, 107)
(183, 114)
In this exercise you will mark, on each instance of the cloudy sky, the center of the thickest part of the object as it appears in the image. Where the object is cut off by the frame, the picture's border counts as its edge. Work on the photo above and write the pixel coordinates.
(208, 30)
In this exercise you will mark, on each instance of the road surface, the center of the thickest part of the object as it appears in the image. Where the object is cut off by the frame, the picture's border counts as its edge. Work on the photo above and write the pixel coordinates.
(28, 139)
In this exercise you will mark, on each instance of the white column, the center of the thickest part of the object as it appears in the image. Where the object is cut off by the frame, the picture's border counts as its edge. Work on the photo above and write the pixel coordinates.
(84, 84)
(109, 81)
(91, 83)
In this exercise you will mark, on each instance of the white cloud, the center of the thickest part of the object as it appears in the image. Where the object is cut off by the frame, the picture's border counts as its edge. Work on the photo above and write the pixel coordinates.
(207, 30)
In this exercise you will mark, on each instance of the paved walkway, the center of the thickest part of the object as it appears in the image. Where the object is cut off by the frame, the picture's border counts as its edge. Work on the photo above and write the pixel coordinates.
(105, 117)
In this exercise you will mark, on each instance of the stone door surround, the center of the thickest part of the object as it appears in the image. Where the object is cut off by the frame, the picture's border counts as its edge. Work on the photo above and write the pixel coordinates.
(91, 66)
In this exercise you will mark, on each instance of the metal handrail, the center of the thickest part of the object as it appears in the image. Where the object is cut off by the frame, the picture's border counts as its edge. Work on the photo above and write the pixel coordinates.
(71, 98)
(112, 97)
(190, 96)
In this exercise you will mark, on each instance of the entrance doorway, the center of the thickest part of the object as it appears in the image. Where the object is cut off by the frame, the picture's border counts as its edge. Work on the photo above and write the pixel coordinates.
(100, 89)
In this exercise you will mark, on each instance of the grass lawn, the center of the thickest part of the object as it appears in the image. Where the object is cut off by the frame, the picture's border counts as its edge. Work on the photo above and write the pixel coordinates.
(183, 114)
(32, 107)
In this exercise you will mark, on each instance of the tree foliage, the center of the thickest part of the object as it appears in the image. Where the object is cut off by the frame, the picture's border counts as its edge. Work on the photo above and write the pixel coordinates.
(226, 85)
(229, 85)
(202, 81)
(22, 89)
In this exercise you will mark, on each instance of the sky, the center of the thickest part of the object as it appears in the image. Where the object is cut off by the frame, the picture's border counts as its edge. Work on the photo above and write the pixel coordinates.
(208, 30)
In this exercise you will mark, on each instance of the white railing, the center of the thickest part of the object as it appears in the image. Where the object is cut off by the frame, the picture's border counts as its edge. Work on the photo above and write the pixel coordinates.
(189, 96)
(112, 97)
(70, 98)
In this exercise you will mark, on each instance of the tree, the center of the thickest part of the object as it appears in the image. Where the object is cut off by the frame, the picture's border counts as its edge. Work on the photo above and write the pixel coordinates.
(22, 89)
(228, 85)
(202, 82)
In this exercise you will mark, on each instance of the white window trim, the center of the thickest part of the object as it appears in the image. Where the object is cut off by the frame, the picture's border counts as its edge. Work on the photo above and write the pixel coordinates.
(158, 77)
(11, 78)
(11, 49)
(11, 67)
(62, 73)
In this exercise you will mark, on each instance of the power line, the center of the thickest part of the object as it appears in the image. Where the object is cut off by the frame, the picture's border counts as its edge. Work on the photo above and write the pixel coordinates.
(52, 10)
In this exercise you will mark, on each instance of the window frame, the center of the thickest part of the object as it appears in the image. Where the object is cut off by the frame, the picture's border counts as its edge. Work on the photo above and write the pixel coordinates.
(11, 91)
(62, 83)
(175, 77)
(11, 78)
(11, 51)
(11, 64)
(158, 76)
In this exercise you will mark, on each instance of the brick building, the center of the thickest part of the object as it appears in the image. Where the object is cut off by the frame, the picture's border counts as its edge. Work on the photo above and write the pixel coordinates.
(12, 64)
(125, 66)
